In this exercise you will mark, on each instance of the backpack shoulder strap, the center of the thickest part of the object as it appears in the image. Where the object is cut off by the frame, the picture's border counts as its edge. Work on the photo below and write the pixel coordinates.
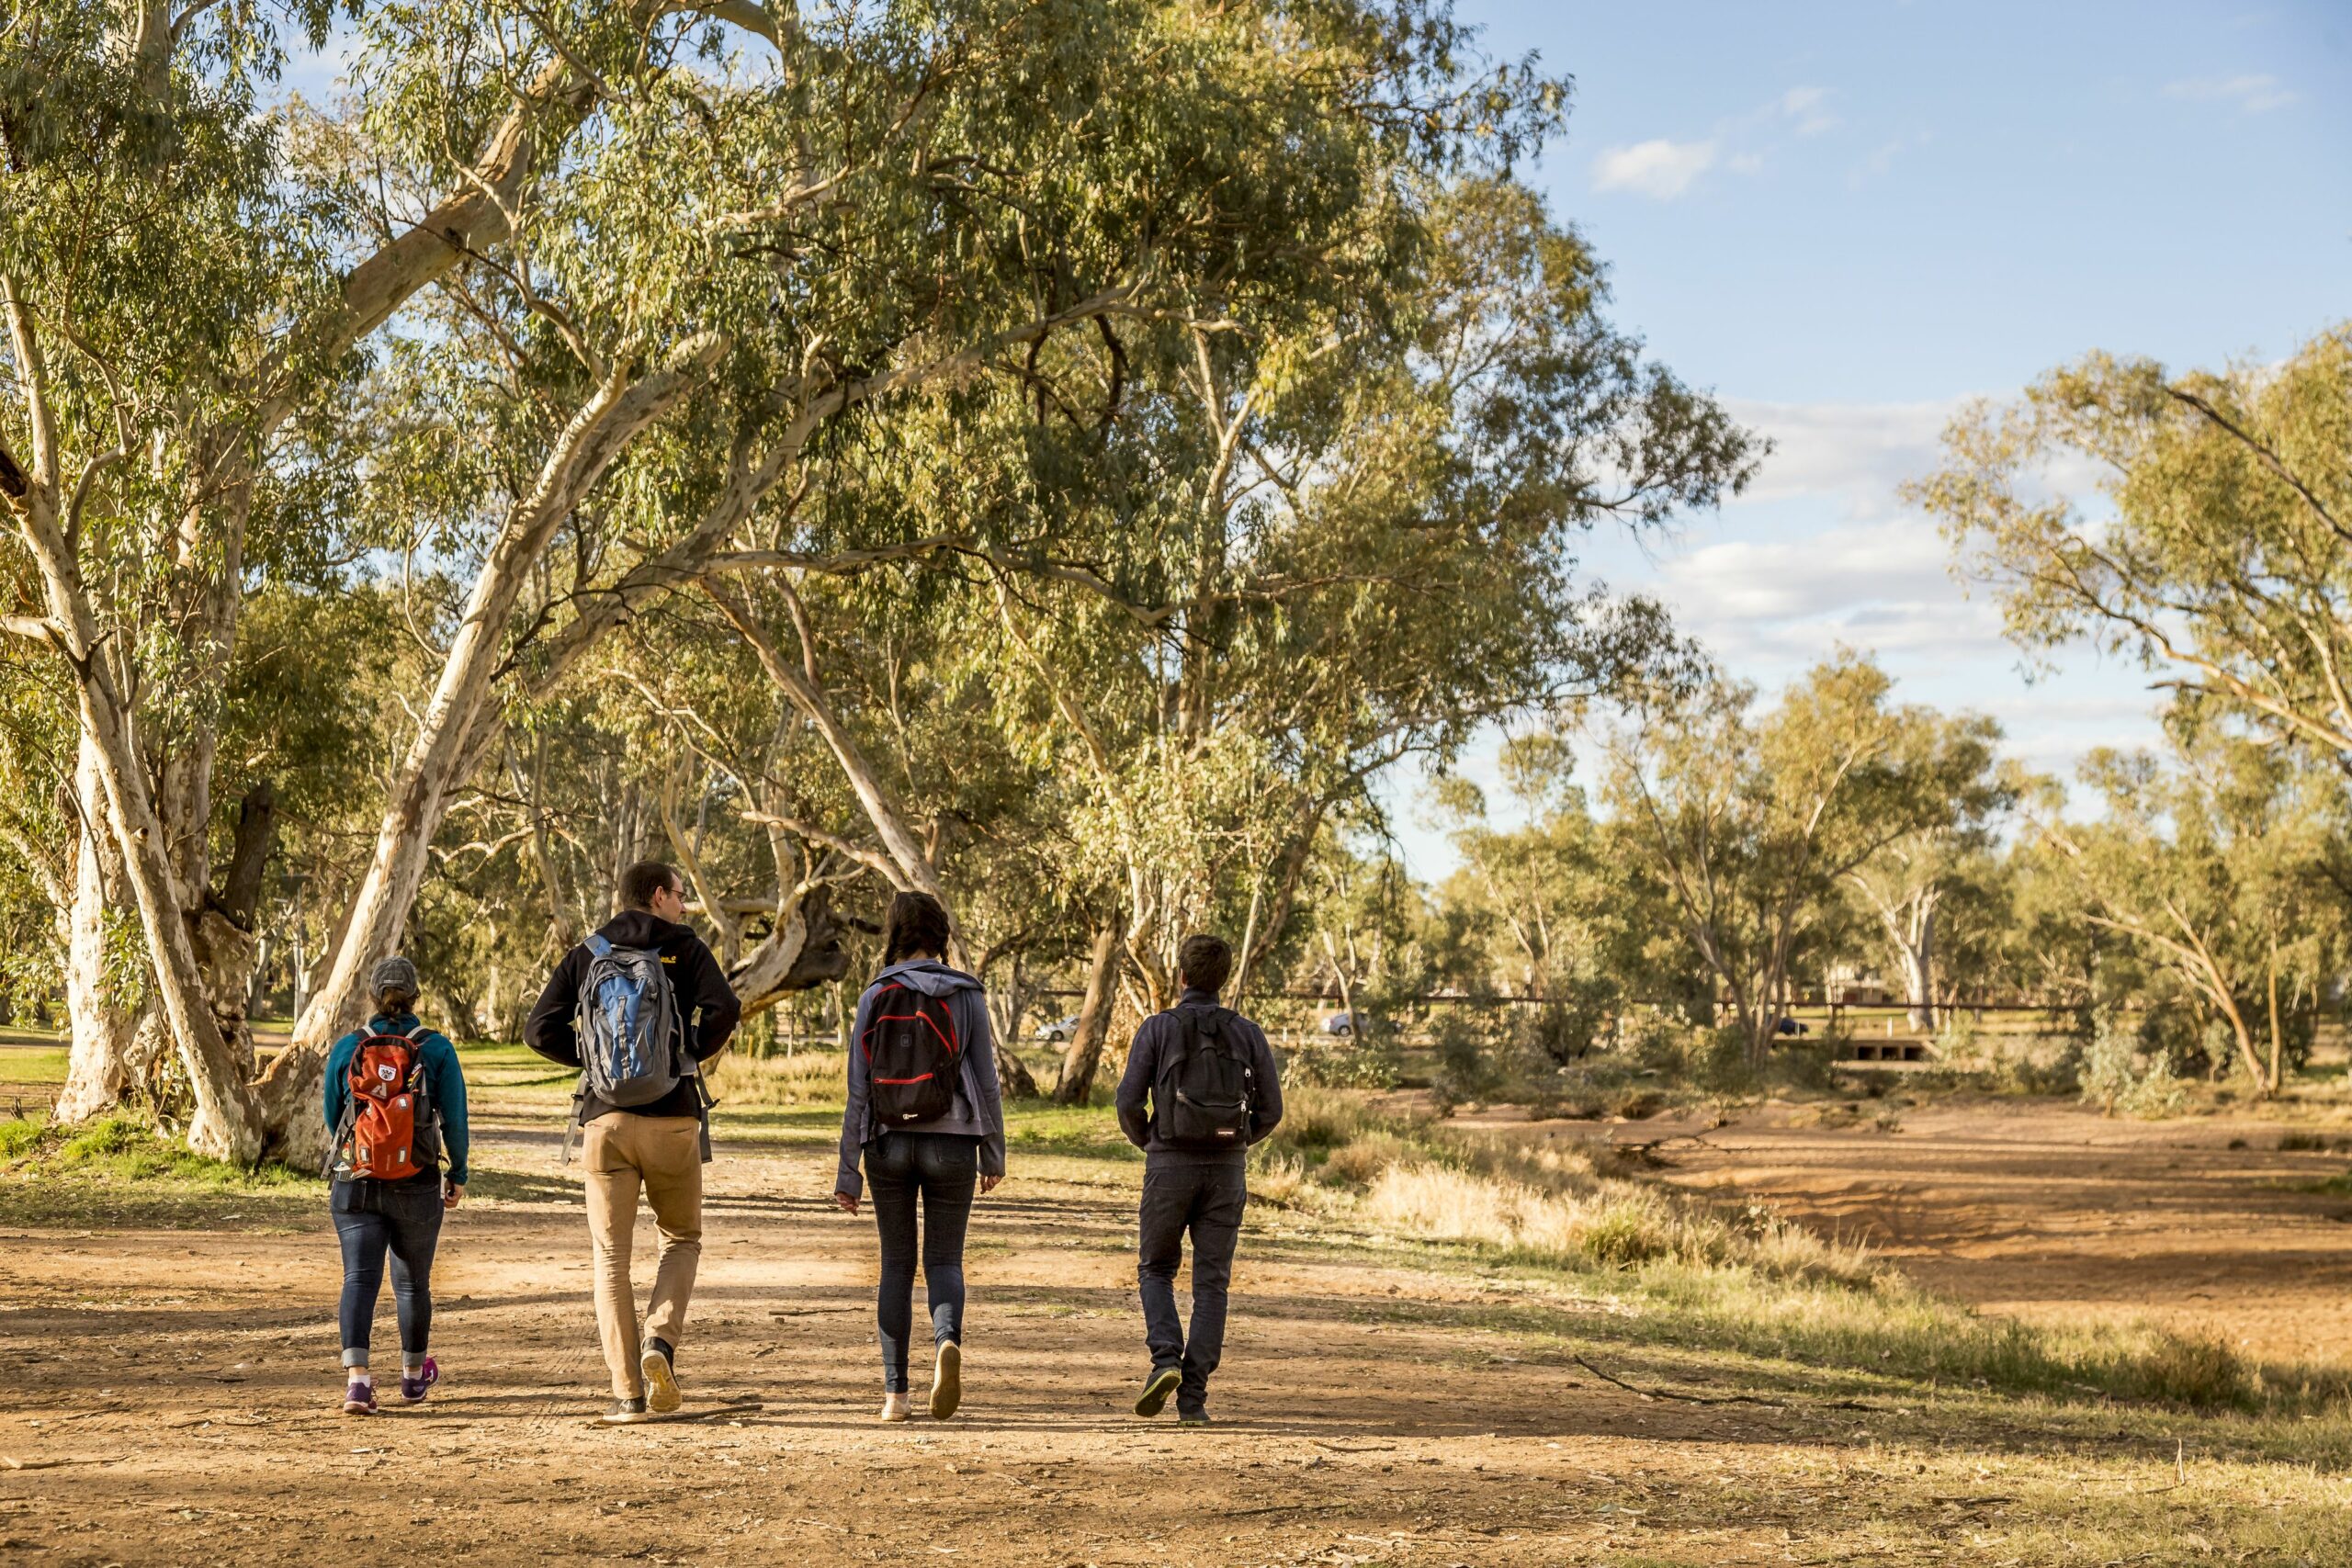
(596, 945)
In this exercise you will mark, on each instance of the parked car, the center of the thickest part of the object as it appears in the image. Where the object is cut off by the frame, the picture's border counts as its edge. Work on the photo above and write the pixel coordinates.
(1791, 1026)
(1348, 1025)
(1060, 1032)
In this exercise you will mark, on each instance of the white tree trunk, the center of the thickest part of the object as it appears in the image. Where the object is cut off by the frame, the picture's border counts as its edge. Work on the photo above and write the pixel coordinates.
(447, 743)
(98, 1068)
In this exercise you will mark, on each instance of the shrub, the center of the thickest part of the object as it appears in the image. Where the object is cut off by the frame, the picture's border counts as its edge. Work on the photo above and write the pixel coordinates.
(1365, 1062)
(2121, 1074)
(2188, 1369)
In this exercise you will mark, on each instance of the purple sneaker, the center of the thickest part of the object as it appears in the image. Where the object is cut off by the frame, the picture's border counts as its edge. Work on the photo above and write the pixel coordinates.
(359, 1399)
(412, 1388)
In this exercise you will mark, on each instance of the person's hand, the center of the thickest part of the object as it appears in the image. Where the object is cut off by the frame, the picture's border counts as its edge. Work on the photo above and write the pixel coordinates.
(847, 1201)
(451, 1191)
(988, 1183)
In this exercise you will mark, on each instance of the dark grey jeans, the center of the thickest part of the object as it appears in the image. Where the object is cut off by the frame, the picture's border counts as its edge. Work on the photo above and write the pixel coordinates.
(939, 1171)
(1204, 1199)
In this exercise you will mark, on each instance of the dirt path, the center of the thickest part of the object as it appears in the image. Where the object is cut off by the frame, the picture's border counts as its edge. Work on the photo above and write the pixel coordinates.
(168, 1396)
(2055, 1213)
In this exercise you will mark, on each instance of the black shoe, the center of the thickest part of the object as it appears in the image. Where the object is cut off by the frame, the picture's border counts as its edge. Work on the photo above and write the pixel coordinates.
(1155, 1392)
(1191, 1417)
(624, 1413)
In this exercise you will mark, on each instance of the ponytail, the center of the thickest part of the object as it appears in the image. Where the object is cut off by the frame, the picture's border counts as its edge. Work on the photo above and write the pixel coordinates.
(917, 923)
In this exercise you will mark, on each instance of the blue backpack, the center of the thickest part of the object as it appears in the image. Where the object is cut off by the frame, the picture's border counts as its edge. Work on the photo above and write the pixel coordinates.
(632, 1042)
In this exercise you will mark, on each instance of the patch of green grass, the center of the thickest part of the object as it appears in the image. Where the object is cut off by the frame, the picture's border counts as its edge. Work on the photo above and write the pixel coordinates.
(38, 1065)
(120, 1170)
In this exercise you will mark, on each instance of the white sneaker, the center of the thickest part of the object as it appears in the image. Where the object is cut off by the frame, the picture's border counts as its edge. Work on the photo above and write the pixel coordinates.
(947, 1379)
(895, 1407)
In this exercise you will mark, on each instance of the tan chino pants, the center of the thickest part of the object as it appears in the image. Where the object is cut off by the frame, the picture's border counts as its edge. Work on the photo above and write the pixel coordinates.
(661, 1154)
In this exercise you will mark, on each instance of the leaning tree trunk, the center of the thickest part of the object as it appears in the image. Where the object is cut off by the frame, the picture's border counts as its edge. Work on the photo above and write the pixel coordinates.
(1084, 1057)
(1013, 1079)
(446, 746)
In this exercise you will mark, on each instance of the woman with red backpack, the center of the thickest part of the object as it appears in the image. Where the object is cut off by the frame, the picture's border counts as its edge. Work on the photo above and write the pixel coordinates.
(923, 1113)
(395, 1104)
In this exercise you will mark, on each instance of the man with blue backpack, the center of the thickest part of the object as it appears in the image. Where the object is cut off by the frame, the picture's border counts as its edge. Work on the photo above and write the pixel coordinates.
(1201, 1086)
(637, 1007)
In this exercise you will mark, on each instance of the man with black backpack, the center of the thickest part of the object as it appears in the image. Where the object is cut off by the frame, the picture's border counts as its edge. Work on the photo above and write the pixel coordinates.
(1213, 1090)
(637, 1007)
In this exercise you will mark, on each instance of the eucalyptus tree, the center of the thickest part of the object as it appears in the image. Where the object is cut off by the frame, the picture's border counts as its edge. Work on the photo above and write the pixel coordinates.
(2208, 862)
(877, 203)
(1751, 823)
(1906, 886)
(1544, 909)
(1337, 529)
(2220, 553)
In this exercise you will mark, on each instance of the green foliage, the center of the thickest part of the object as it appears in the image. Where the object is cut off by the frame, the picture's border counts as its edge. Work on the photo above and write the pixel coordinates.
(2120, 1074)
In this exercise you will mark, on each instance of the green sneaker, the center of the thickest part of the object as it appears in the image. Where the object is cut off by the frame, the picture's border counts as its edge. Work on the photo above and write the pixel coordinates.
(1155, 1392)
(1191, 1418)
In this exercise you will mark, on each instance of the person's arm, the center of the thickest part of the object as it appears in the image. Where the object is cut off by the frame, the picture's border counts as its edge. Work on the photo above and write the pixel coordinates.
(719, 1010)
(1266, 1105)
(982, 1038)
(448, 1080)
(847, 1182)
(550, 1030)
(1135, 1084)
(338, 1085)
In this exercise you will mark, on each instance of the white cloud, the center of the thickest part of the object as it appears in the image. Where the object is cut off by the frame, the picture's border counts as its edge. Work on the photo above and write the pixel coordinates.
(1659, 169)
(2252, 95)
(1839, 571)
(1664, 169)
(1805, 106)
(1856, 454)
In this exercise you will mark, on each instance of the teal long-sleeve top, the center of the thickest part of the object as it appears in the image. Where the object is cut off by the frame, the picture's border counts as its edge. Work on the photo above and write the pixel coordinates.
(444, 1082)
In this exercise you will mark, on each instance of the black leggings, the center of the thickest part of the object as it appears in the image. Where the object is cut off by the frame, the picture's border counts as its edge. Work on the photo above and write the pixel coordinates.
(370, 1219)
(942, 1169)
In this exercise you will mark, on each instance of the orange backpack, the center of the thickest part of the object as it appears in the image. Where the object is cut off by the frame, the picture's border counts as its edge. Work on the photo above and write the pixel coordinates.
(388, 1130)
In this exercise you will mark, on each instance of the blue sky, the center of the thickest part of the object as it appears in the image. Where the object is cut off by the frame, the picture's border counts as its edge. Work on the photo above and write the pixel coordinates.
(1846, 219)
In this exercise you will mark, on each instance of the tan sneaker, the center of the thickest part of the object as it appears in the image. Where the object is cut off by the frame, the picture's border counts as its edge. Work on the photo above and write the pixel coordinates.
(896, 1408)
(661, 1380)
(947, 1380)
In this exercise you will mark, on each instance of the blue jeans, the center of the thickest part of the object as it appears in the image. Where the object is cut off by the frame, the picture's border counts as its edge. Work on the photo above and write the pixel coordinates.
(1205, 1199)
(372, 1218)
(943, 1171)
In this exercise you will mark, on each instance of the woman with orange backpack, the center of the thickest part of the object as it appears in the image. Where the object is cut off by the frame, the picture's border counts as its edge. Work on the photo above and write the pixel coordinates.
(925, 1116)
(395, 1103)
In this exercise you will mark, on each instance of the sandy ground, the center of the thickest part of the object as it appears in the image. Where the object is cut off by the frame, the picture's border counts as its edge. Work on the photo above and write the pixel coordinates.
(2053, 1212)
(169, 1395)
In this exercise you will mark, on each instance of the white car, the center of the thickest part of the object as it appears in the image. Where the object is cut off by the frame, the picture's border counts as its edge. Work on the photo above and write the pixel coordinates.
(1348, 1025)
(1060, 1032)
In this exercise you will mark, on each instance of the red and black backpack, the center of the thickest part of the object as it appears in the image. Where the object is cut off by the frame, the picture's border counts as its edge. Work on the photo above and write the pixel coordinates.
(389, 1131)
(913, 1054)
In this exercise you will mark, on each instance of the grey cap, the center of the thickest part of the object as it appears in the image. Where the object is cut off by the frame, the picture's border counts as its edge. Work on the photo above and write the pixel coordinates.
(393, 973)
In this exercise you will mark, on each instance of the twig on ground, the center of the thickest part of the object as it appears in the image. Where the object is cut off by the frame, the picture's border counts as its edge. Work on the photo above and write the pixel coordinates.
(1717, 1398)
(2179, 1471)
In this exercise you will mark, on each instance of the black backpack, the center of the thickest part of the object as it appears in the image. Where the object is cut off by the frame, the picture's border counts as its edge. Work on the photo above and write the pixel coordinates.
(1203, 1096)
(913, 1056)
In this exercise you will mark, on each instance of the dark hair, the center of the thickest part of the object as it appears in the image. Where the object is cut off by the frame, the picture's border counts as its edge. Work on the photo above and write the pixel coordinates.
(1205, 961)
(640, 882)
(393, 1000)
(917, 923)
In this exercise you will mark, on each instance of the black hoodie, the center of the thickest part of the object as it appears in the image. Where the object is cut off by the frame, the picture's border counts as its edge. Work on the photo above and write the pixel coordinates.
(695, 979)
